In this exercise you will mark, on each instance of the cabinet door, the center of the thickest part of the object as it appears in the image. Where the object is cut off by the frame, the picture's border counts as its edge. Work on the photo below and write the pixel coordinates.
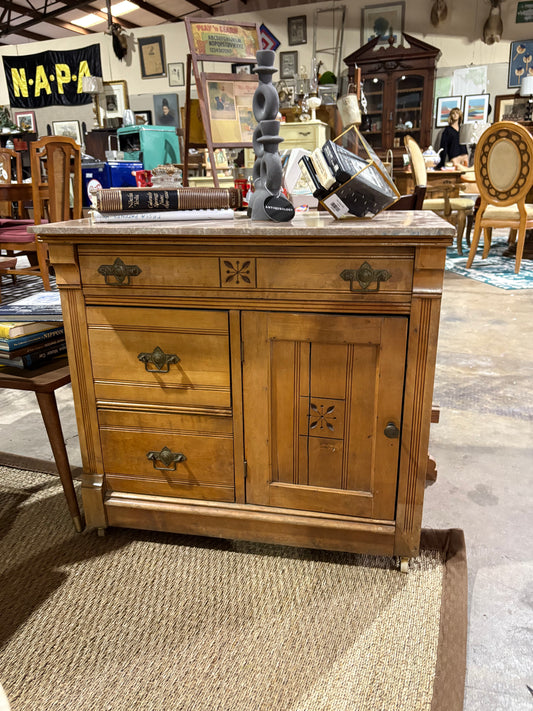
(322, 400)
(373, 128)
(408, 118)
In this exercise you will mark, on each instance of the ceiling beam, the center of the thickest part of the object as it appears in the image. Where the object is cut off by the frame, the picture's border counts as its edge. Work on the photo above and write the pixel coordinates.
(200, 5)
(89, 7)
(156, 11)
(49, 17)
(30, 35)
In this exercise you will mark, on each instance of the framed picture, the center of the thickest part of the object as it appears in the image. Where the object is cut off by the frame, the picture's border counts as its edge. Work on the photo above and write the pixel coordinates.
(112, 103)
(229, 100)
(382, 20)
(297, 30)
(166, 110)
(520, 62)
(152, 54)
(67, 128)
(143, 118)
(242, 68)
(25, 120)
(476, 108)
(288, 65)
(176, 74)
(444, 105)
(524, 11)
(510, 107)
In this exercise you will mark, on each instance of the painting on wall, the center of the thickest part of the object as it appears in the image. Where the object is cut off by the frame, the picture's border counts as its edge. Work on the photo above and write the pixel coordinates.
(297, 30)
(476, 108)
(444, 105)
(26, 121)
(510, 107)
(166, 110)
(152, 56)
(176, 74)
(520, 62)
(382, 20)
(71, 129)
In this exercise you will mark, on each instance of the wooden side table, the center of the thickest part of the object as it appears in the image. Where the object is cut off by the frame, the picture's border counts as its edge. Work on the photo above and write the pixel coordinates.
(43, 382)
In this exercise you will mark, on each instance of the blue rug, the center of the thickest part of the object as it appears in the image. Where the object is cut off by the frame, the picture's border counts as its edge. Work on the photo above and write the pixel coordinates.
(496, 270)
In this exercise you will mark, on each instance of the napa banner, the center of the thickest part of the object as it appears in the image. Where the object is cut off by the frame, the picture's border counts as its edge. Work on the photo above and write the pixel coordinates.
(51, 78)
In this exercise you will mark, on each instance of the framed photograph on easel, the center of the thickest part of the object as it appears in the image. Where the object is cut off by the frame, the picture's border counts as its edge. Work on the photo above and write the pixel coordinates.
(225, 99)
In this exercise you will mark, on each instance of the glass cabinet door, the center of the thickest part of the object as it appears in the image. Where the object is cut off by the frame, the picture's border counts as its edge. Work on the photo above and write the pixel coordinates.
(409, 90)
(373, 126)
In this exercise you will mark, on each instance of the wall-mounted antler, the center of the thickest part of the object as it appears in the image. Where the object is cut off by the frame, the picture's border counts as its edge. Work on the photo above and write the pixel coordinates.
(439, 11)
(493, 27)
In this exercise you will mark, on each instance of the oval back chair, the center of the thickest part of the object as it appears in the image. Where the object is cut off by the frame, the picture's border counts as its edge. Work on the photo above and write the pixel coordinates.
(440, 197)
(504, 176)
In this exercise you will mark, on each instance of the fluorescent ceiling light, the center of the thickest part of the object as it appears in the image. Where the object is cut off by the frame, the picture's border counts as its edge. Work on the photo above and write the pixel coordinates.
(120, 8)
(87, 20)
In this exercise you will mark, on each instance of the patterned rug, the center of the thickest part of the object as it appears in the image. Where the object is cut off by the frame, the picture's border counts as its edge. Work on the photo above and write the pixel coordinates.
(496, 270)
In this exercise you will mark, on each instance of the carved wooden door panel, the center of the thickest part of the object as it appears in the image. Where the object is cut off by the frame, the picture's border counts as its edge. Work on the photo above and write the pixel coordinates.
(322, 405)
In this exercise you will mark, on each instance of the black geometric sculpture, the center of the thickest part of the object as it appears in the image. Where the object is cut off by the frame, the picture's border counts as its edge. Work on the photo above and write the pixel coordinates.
(267, 202)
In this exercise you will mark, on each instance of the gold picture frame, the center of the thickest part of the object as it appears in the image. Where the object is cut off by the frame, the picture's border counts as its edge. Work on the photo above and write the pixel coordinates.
(111, 104)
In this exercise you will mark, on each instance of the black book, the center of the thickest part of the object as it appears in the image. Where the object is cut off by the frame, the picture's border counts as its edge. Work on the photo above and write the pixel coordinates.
(307, 168)
(344, 164)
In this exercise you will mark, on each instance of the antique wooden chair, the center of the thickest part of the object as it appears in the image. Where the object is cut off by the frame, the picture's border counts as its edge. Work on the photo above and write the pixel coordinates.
(504, 176)
(441, 198)
(8, 175)
(56, 175)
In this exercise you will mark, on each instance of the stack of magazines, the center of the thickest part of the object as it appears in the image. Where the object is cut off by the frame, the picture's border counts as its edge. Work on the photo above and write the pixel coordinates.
(348, 178)
(31, 331)
(164, 204)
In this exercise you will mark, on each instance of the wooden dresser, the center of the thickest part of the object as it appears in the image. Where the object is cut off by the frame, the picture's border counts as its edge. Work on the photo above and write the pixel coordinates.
(255, 380)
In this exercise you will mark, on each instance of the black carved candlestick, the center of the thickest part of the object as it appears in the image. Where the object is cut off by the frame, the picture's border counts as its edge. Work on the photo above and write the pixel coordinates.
(267, 202)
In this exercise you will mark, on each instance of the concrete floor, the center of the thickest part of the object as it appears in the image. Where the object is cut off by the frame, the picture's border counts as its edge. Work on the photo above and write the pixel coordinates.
(484, 451)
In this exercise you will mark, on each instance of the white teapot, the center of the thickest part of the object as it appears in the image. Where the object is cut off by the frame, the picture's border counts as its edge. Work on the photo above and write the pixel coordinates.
(431, 157)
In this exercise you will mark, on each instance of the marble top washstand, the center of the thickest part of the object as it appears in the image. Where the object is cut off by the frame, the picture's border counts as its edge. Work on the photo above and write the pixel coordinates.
(418, 226)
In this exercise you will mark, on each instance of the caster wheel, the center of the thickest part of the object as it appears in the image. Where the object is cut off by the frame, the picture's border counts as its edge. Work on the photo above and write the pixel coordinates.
(404, 565)
(101, 531)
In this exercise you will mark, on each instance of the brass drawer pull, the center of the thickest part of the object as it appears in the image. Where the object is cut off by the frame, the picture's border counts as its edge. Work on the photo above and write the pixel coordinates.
(121, 272)
(161, 360)
(168, 458)
(391, 431)
(365, 275)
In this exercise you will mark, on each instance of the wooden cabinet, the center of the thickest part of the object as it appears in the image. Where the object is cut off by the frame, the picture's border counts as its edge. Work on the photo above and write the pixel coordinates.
(398, 85)
(269, 382)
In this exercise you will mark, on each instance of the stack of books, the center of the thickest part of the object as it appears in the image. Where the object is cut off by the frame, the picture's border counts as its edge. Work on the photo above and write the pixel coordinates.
(31, 331)
(347, 182)
(164, 204)
(30, 344)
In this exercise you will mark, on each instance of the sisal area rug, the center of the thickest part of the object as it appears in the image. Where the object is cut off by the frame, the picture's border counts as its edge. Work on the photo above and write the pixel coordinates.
(161, 622)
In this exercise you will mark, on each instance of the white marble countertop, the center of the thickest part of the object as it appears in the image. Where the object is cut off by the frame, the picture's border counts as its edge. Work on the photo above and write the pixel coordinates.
(395, 223)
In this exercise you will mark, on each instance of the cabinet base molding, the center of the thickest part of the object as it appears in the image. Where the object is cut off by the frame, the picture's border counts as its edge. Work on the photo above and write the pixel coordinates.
(250, 523)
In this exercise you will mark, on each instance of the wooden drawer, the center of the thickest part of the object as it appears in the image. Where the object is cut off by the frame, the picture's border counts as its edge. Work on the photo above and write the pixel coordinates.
(127, 267)
(132, 445)
(303, 135)
(254, 274)
(199, 339)
(327, 278)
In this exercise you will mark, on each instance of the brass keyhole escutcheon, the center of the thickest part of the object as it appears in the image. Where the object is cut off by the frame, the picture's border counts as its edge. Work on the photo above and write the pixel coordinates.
(120, 272)
(365, 276)
(159, 359)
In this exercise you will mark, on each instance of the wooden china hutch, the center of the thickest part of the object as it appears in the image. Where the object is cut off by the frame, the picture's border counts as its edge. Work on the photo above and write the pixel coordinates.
(397, 82)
